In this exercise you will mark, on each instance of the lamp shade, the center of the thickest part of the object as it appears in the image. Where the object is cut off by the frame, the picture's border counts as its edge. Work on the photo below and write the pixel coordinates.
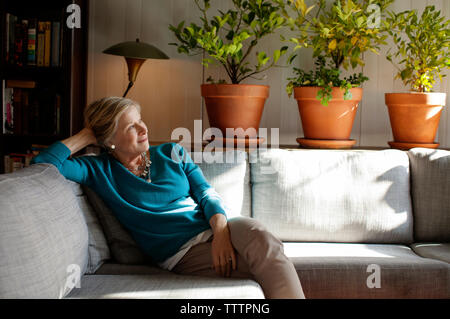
(135, 53)
(136, 50)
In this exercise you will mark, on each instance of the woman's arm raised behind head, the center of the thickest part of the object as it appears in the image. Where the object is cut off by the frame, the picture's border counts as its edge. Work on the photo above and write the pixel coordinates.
(80, 140)
(75, 169)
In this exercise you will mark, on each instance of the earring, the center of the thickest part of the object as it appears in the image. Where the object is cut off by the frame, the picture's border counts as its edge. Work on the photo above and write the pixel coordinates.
(111, 149)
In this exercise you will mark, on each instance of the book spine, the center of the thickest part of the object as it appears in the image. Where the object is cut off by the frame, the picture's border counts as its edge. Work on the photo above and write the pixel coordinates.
(61, 36)
(3, 107)
(48, 43)
(40, 43)
(17, 116)
(34, 115)
(8, 125)
(25, 112)
(32, 42)
(18, 43)
(7, 164)
(7, 37)
(55, 42)
(25, 159)
(24, 30)
(28, 159)
(25, 84)
(17, 163)
(11, 37)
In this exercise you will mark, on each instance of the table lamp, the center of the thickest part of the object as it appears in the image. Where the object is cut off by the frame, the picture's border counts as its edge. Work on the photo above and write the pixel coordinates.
(135, 53)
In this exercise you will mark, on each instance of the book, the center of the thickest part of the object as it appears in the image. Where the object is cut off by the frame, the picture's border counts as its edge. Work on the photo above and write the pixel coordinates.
(25, 111)
(32, 42)
(7, 109)
(16, 163)
(48, 43)
(25, 84)
(6, 164)
(17, 113)
(25, 158)
(11, 38)
(7, 17)
(40, 48)
(3, 107)
(56, 31)
(20, 42)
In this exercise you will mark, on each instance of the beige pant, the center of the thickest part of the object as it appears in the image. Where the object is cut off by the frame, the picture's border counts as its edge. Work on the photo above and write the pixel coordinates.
(259, 257)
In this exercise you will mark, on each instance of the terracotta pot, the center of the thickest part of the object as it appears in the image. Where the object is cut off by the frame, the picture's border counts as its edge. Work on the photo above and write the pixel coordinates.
(332, 122)
(415, 116)
(235, 106)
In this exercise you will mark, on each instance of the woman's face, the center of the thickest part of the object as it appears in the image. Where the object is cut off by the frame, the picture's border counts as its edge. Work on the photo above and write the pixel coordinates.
(131, 136)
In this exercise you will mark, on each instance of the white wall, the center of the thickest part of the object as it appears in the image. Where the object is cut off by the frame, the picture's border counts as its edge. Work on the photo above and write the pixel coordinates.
(169, 90)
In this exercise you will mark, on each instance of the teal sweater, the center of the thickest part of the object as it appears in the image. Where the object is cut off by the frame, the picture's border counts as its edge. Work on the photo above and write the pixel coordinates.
(162, 215)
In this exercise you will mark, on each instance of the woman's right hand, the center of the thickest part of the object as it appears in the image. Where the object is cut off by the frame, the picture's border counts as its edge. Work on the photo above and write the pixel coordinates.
(90, 136)
(80, 140)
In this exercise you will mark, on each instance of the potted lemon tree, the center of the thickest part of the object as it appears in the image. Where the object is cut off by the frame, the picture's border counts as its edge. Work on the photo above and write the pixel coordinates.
(230, 39)
(339, 34)
(421, 54)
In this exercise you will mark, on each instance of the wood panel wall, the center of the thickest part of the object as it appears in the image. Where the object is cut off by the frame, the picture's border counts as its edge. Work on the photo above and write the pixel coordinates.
(169, 90)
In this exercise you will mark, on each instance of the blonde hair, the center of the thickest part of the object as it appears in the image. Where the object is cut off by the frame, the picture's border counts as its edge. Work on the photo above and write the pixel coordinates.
(102, 116)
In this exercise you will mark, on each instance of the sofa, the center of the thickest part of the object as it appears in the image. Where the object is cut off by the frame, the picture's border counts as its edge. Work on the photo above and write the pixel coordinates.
(355, 223)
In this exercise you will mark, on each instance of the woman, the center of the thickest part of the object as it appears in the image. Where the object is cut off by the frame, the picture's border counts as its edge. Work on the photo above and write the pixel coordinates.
(163, 199)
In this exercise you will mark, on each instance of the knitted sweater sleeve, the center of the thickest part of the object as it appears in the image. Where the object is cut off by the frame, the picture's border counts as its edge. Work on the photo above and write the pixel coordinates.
(76, 169)
(200, 189)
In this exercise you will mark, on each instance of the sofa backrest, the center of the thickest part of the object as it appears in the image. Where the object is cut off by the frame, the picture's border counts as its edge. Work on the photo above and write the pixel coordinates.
(43, 234)
(229, 174)
(430, 171)
(333, 196)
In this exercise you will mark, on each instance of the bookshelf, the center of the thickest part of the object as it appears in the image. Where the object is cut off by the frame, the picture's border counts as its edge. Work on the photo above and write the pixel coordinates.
(42, 86)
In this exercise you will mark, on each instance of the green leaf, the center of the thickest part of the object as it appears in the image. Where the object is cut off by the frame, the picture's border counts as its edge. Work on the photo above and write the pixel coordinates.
(276, 55)
(261, 57)
(359, 22)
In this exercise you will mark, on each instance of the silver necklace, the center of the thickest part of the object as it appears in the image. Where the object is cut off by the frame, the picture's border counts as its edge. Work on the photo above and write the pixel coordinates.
(145, 165)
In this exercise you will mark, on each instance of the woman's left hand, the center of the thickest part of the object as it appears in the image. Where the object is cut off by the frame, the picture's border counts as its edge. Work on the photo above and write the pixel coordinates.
(222, 251)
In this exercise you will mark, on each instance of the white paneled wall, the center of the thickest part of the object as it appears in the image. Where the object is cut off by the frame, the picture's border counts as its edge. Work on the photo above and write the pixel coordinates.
(169, 90)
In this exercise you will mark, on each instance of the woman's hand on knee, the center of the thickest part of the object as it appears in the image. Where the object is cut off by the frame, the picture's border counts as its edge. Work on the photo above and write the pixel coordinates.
(223, 253)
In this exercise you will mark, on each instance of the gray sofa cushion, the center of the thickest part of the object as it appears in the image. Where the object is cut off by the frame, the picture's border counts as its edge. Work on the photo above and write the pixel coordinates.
(169, 286)
(333, 196)
(98, 247)
(436, 251)
(42, 233)
(430, 172)
(340, 270)
(122, 246)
